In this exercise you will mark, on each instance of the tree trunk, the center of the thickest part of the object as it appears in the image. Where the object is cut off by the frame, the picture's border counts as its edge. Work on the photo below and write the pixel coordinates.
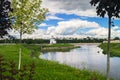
(20, 35)
(19, 64)
(20, 50)
(108, 49)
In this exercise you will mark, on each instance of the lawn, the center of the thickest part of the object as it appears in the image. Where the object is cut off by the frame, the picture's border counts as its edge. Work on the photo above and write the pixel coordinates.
(44, 69)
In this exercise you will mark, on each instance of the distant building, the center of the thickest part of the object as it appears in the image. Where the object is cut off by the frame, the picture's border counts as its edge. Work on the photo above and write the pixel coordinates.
(112, 41)
(52, 41)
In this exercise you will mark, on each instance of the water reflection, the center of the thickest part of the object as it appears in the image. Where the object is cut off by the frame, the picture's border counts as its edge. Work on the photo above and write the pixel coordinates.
(88, 56)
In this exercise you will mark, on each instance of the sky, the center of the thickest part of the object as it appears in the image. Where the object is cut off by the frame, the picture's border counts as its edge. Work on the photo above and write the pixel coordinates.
(72, 19)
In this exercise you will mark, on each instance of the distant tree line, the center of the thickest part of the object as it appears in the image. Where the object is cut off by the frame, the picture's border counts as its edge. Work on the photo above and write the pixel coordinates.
(44, 41)
(84, 40)
(116, 38)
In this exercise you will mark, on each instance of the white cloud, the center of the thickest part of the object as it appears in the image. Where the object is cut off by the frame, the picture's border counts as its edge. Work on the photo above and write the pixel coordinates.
(78, 7)
(63, 29)
(53, 17)
(102, 32)
(72, 26)
(115, 27)
(42, 24)
(115, 33)
(98, 32)
(50, 30)
(13, 33)
(38, 33)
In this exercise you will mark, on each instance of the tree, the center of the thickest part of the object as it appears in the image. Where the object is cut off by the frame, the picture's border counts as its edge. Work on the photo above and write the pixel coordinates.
(116, 38)
(26, 14)
(111, 8)
(5, 21)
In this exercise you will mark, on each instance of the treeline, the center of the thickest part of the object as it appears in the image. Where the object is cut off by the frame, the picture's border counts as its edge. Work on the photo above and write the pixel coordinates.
(84, 40)
(27, 41)
(43, 41)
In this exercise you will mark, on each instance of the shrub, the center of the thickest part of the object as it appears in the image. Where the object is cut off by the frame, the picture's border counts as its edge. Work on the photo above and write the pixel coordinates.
(8, 71)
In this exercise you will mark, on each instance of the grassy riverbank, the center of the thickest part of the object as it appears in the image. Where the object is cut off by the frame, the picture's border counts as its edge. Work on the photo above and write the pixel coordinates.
(47, 70)
(51, 47)
(114, 49)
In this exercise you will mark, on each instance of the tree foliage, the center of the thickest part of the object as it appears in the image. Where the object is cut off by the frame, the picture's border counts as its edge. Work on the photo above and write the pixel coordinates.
(47, 41)
(109, 7)
(26, 13)
(5, 21)
(116, 38)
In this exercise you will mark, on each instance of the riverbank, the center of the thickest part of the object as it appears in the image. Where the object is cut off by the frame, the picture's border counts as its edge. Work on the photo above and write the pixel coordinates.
(58, 47)
(114, 49)
(51, 47)
(47, 70)
(80, 44)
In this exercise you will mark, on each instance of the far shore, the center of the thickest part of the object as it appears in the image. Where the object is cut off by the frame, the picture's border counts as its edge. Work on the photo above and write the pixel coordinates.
(75, 44)
(78, 44)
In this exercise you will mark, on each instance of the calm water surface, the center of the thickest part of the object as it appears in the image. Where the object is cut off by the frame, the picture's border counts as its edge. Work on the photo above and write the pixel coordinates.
(89, 57)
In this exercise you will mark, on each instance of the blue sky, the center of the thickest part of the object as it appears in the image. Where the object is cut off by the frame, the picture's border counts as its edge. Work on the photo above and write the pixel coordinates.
(76, 19)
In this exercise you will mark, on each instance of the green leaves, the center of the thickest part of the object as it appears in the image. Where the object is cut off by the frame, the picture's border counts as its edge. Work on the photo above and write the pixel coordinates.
(5, 21)
(107, 7)
(26, 13)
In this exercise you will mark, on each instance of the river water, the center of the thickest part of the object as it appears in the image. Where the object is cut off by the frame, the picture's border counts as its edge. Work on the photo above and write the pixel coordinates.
(89, 57)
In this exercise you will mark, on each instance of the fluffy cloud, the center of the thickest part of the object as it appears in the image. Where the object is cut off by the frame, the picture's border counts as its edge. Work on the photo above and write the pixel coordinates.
(63, 28)
(38, 33)
(75, 28)
(95, 32)
(53, 17)
(115, 28)
(14, 33)
(71, 26)
(51, 30)
(102, 32)
(78, 7)
(99, 32)
(43, 24)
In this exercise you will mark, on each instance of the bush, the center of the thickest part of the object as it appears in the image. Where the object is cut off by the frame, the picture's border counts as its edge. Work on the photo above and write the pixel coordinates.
(8, 71)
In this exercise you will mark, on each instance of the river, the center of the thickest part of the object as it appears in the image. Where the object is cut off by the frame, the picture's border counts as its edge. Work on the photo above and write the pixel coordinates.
(89, 56)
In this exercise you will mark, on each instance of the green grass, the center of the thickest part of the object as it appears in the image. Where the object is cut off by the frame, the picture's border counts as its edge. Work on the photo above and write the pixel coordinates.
(50, 47)
(114, 49)
(47, 70)
(60, 45)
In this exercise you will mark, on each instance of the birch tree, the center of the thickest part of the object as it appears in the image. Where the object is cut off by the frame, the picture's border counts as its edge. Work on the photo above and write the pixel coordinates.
(26, 14)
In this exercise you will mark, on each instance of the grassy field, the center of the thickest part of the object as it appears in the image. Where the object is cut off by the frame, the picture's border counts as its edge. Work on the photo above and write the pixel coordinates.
(114, 49)
(46, 70)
